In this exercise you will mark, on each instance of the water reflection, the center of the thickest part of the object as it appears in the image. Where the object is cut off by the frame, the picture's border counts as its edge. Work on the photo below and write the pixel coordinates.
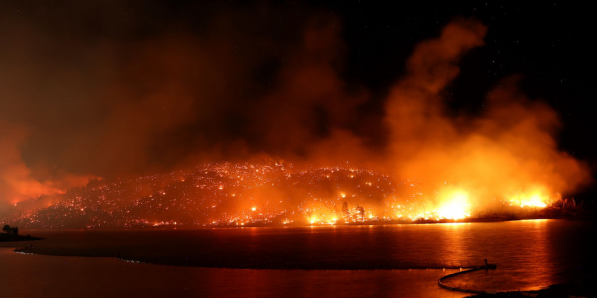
(529, 254)
(107, 277)
(529, 257)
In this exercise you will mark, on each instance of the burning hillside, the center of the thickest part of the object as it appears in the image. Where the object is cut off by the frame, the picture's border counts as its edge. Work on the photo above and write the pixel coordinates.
(414, 158)
(263, 194)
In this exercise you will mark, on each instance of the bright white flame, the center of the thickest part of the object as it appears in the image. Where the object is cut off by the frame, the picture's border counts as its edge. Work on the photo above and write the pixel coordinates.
(454, 207)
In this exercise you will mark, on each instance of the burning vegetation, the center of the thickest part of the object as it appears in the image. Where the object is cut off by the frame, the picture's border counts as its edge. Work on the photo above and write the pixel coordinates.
(264, 194)
(416, 160)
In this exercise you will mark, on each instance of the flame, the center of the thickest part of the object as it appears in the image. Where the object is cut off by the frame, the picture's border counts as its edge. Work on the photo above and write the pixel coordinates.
(387, 199)
(499, 152)
(455, 207)
(533, 200)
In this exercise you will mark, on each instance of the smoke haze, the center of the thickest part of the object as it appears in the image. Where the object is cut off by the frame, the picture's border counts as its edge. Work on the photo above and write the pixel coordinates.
(96, 92)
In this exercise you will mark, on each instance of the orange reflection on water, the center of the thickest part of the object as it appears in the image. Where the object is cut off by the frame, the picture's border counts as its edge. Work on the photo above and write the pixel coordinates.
(526, 261)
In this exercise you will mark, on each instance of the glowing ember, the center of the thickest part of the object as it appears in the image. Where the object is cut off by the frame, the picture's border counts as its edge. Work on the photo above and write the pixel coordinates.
(264, 194)
(428, 159)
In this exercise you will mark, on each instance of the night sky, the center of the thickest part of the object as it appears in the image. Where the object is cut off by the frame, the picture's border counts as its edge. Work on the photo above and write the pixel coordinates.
(548, 43)
(122, 88)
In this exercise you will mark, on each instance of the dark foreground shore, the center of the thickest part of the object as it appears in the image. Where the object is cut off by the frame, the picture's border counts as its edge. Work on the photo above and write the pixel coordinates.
(12, 238)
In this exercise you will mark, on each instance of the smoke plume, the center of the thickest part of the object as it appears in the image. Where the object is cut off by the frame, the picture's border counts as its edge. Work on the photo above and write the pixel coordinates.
(508, 150)
(98, 91)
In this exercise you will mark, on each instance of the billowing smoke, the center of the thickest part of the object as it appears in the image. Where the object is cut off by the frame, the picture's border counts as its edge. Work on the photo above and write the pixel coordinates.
(17, 181)
(98, 91)
(508, 151)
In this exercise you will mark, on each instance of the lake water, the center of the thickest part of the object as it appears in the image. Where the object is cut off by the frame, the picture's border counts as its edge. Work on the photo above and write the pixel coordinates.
(529, 255)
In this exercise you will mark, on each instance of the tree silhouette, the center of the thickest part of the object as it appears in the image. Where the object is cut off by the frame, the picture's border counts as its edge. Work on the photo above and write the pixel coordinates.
(10, 230)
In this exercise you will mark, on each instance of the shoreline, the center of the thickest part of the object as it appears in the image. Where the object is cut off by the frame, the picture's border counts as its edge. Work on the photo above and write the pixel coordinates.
(17, 238)
(315, 225)
(264, 265)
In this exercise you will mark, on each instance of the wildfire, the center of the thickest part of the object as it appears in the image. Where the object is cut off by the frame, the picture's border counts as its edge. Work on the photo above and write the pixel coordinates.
(534, 200)
(237, 194)
(456, 207)
(505, 155)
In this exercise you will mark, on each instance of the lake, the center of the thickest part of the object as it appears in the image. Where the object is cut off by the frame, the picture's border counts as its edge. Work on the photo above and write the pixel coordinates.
(529, 255)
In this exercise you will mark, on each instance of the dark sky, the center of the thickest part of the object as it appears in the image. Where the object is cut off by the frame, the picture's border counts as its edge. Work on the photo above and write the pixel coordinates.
(118, 88)
(548, 43)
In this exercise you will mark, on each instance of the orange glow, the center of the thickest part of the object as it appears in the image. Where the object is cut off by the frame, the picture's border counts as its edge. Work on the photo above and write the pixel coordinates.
(294, 197)
(431, 165)
(456, 206)
(534, 200)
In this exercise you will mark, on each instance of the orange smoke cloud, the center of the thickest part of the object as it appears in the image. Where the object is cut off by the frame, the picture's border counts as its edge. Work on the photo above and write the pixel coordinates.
(507, 152)
(16, 180)
(245, 87)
